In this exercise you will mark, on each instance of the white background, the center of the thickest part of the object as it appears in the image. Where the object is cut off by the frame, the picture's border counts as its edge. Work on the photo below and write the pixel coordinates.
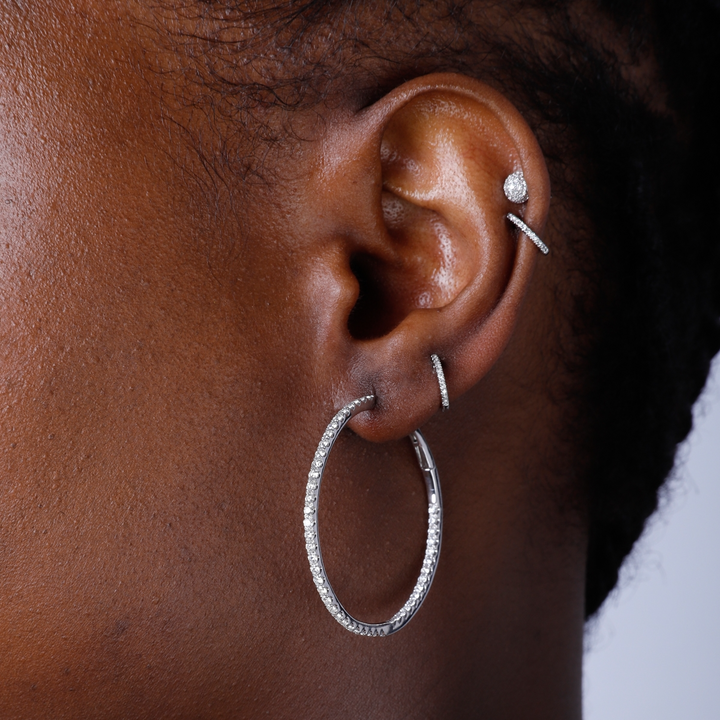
(654, 653)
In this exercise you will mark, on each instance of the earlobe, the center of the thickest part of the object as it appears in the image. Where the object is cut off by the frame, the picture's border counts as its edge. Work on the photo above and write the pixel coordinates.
(440, 266)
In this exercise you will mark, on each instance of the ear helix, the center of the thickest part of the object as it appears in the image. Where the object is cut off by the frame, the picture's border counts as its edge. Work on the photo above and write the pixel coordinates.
(516, 191)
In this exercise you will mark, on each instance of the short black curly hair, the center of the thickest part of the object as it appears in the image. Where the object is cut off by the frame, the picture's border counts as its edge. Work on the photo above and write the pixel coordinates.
(657, 323)
(649, 149)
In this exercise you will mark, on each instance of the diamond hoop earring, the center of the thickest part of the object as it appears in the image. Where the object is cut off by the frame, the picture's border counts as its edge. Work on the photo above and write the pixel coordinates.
(312, 540)
(516, 191)
(437, 366)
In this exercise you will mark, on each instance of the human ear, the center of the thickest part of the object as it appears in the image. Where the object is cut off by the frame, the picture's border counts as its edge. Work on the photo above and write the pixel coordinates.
(428, 263)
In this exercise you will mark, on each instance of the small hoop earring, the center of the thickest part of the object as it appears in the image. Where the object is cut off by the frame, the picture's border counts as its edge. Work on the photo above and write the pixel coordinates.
(541, 246)
(312, 539)
(437, 365)
(516, 191)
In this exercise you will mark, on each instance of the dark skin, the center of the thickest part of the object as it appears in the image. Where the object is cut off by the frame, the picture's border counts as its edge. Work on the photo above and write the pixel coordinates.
(167, 372)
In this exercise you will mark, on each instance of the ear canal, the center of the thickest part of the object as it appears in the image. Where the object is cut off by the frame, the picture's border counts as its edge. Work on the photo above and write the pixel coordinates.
(378, 310)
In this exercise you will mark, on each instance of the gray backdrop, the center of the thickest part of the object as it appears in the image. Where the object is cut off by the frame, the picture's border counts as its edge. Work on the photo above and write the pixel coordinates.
(654, 653)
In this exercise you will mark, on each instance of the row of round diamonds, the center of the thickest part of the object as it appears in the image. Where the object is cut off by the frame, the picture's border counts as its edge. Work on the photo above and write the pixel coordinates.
(310, 511)
(444, 398)
(427, 571)
(515, 220)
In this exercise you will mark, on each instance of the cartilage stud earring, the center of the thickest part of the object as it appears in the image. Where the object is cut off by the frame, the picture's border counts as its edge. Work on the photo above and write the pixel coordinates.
(515, 187)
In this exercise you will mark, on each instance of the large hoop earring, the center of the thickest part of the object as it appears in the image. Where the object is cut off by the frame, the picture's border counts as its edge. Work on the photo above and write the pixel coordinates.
(312, 540)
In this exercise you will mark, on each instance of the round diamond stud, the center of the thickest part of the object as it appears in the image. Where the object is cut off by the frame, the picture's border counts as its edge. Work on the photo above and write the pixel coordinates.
(515, 188)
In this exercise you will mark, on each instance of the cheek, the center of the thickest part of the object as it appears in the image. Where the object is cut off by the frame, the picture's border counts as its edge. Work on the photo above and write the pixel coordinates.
(154, 401)
(140, 439)
(146, 417)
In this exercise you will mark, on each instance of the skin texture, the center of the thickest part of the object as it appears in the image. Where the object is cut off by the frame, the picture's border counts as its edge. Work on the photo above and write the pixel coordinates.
(170, 356)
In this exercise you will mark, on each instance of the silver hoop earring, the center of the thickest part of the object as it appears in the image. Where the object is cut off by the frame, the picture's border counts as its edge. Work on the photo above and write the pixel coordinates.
(516, 191)
(437, 365)
(312, 540)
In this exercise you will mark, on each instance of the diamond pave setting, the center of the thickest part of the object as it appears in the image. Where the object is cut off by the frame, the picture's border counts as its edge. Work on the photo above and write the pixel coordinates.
(515, 220)
(312, 540)
(515, 188)
(437, 366)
